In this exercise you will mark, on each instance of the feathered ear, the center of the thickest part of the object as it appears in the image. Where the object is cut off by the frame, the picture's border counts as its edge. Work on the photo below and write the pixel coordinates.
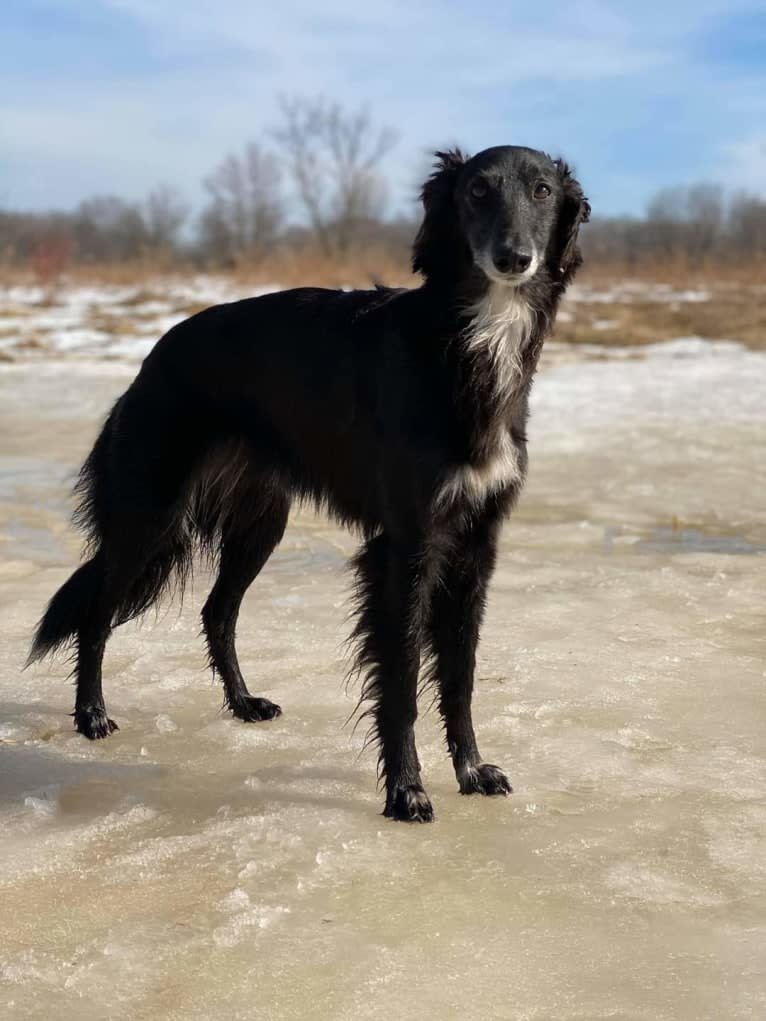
(575, 210)
(439, 229)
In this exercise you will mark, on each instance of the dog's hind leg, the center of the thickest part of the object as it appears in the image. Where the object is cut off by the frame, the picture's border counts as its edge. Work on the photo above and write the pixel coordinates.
(90, 716)
(130, 579)
(77, 613)
(249, 536)
(80, 612)
(454, 621)
(389, 595)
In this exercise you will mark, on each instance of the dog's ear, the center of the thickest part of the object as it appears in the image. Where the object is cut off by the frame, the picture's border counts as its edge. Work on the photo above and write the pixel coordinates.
(439, 227)
(575, 210)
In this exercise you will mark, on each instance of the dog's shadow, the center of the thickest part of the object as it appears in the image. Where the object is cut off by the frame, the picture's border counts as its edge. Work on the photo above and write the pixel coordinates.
(86, 788)
(37, 768)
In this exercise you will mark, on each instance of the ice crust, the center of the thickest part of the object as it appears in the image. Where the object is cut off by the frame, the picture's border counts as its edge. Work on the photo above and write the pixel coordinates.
(196, 867)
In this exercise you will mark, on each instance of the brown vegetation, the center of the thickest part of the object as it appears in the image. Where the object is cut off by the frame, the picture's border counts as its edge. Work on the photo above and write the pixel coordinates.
(615, 305)
(730, 312)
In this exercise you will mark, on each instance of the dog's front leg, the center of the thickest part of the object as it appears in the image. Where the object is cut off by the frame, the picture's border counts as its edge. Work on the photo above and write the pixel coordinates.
(453, 625)
(390, 580)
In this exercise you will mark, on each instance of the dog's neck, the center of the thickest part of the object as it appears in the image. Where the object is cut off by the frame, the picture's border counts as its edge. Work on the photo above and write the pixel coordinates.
(500, 325)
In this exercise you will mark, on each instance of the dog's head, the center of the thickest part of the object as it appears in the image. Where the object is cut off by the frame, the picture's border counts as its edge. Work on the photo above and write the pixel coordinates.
(508, 212)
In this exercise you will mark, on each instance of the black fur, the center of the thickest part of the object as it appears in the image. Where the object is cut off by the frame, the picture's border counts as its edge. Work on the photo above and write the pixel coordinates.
(390, 409)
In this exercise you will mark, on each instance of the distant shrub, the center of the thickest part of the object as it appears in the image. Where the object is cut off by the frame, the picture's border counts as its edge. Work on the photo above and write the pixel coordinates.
(50, 256)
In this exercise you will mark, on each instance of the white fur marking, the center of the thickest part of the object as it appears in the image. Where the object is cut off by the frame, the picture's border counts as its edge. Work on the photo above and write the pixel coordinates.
(476, 482)
(501, 324)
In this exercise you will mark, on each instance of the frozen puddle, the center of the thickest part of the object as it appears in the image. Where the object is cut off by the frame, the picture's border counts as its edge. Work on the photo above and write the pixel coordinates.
(195, 867)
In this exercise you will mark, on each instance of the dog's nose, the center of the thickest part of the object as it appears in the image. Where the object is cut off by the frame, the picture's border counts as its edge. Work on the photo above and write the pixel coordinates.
(509, 260)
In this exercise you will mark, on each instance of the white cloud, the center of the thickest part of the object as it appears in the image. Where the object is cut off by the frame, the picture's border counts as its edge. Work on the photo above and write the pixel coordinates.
(580, 78)
(564, 42)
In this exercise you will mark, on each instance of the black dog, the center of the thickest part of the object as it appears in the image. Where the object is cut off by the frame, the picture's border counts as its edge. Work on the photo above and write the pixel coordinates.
(400, 412)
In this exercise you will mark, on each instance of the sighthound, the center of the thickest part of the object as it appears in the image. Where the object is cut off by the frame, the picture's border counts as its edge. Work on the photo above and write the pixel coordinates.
(401, 413)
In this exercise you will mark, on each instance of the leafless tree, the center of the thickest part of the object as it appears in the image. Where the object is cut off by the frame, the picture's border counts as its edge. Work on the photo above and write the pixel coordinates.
(107, 228)
(165, 213)
(747, 225)
(704, 219)
(665, 217)
(245, 211)
(334, 160)
(686, 220)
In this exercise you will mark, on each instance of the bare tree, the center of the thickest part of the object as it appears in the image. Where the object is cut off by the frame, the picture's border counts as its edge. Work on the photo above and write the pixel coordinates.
(686, 220)
(704, 218)
(665, 216)
(165, 212)
(616, 239)
(747, 225)
(334, 158)
(245, 209)
(109, 228)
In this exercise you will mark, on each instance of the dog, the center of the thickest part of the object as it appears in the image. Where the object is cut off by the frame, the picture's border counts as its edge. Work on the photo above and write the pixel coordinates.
(400, 412)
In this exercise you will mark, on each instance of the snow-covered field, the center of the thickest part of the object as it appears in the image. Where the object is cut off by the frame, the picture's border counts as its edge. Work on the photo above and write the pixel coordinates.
(194, 867)
(124, 321)
(102, 320)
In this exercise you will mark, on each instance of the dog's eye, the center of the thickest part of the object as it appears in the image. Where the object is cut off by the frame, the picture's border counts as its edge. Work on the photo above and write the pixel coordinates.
(542, 191)
(478, 189)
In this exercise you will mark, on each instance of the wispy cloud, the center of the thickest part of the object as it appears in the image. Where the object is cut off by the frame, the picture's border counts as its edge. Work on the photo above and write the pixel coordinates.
(133, 91)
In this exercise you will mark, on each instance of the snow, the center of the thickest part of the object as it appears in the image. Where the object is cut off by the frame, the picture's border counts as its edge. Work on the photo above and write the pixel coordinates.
(688, 378)
(637, 291)
(130, 318)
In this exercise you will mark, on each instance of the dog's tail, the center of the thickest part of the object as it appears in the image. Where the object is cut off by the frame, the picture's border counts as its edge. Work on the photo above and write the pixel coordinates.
(74, 600)
(67, 609)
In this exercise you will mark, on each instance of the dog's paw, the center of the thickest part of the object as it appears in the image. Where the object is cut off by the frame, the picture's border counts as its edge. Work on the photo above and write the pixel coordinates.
(408, 804)
(93, 722)
(484, 779)
(253, 710)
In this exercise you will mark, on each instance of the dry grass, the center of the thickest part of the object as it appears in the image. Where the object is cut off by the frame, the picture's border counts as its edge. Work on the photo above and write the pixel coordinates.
(735, 315)
(656, 309)
(293, 268)
(287, 267)
(676, 272)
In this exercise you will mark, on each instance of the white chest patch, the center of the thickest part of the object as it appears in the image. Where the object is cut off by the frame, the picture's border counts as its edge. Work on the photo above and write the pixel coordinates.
(501, 325)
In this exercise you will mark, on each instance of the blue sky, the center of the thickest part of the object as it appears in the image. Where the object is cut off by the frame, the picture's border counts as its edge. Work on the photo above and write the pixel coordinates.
(114, 96)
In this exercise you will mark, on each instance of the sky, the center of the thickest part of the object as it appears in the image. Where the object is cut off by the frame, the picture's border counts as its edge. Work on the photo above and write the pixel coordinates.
(115, 96)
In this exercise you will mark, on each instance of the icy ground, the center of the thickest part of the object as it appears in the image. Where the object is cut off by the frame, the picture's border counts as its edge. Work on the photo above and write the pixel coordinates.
(194, 867)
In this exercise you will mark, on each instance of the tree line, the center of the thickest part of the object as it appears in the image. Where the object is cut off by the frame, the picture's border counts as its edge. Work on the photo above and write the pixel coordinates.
(699, 224)
(328, 158)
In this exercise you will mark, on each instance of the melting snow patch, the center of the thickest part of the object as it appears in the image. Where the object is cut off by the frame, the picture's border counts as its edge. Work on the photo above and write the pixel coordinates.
(691, 347)
(129, 321)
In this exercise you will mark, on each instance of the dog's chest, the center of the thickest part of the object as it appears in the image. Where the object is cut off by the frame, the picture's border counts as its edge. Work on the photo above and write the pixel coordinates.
(496, 337)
